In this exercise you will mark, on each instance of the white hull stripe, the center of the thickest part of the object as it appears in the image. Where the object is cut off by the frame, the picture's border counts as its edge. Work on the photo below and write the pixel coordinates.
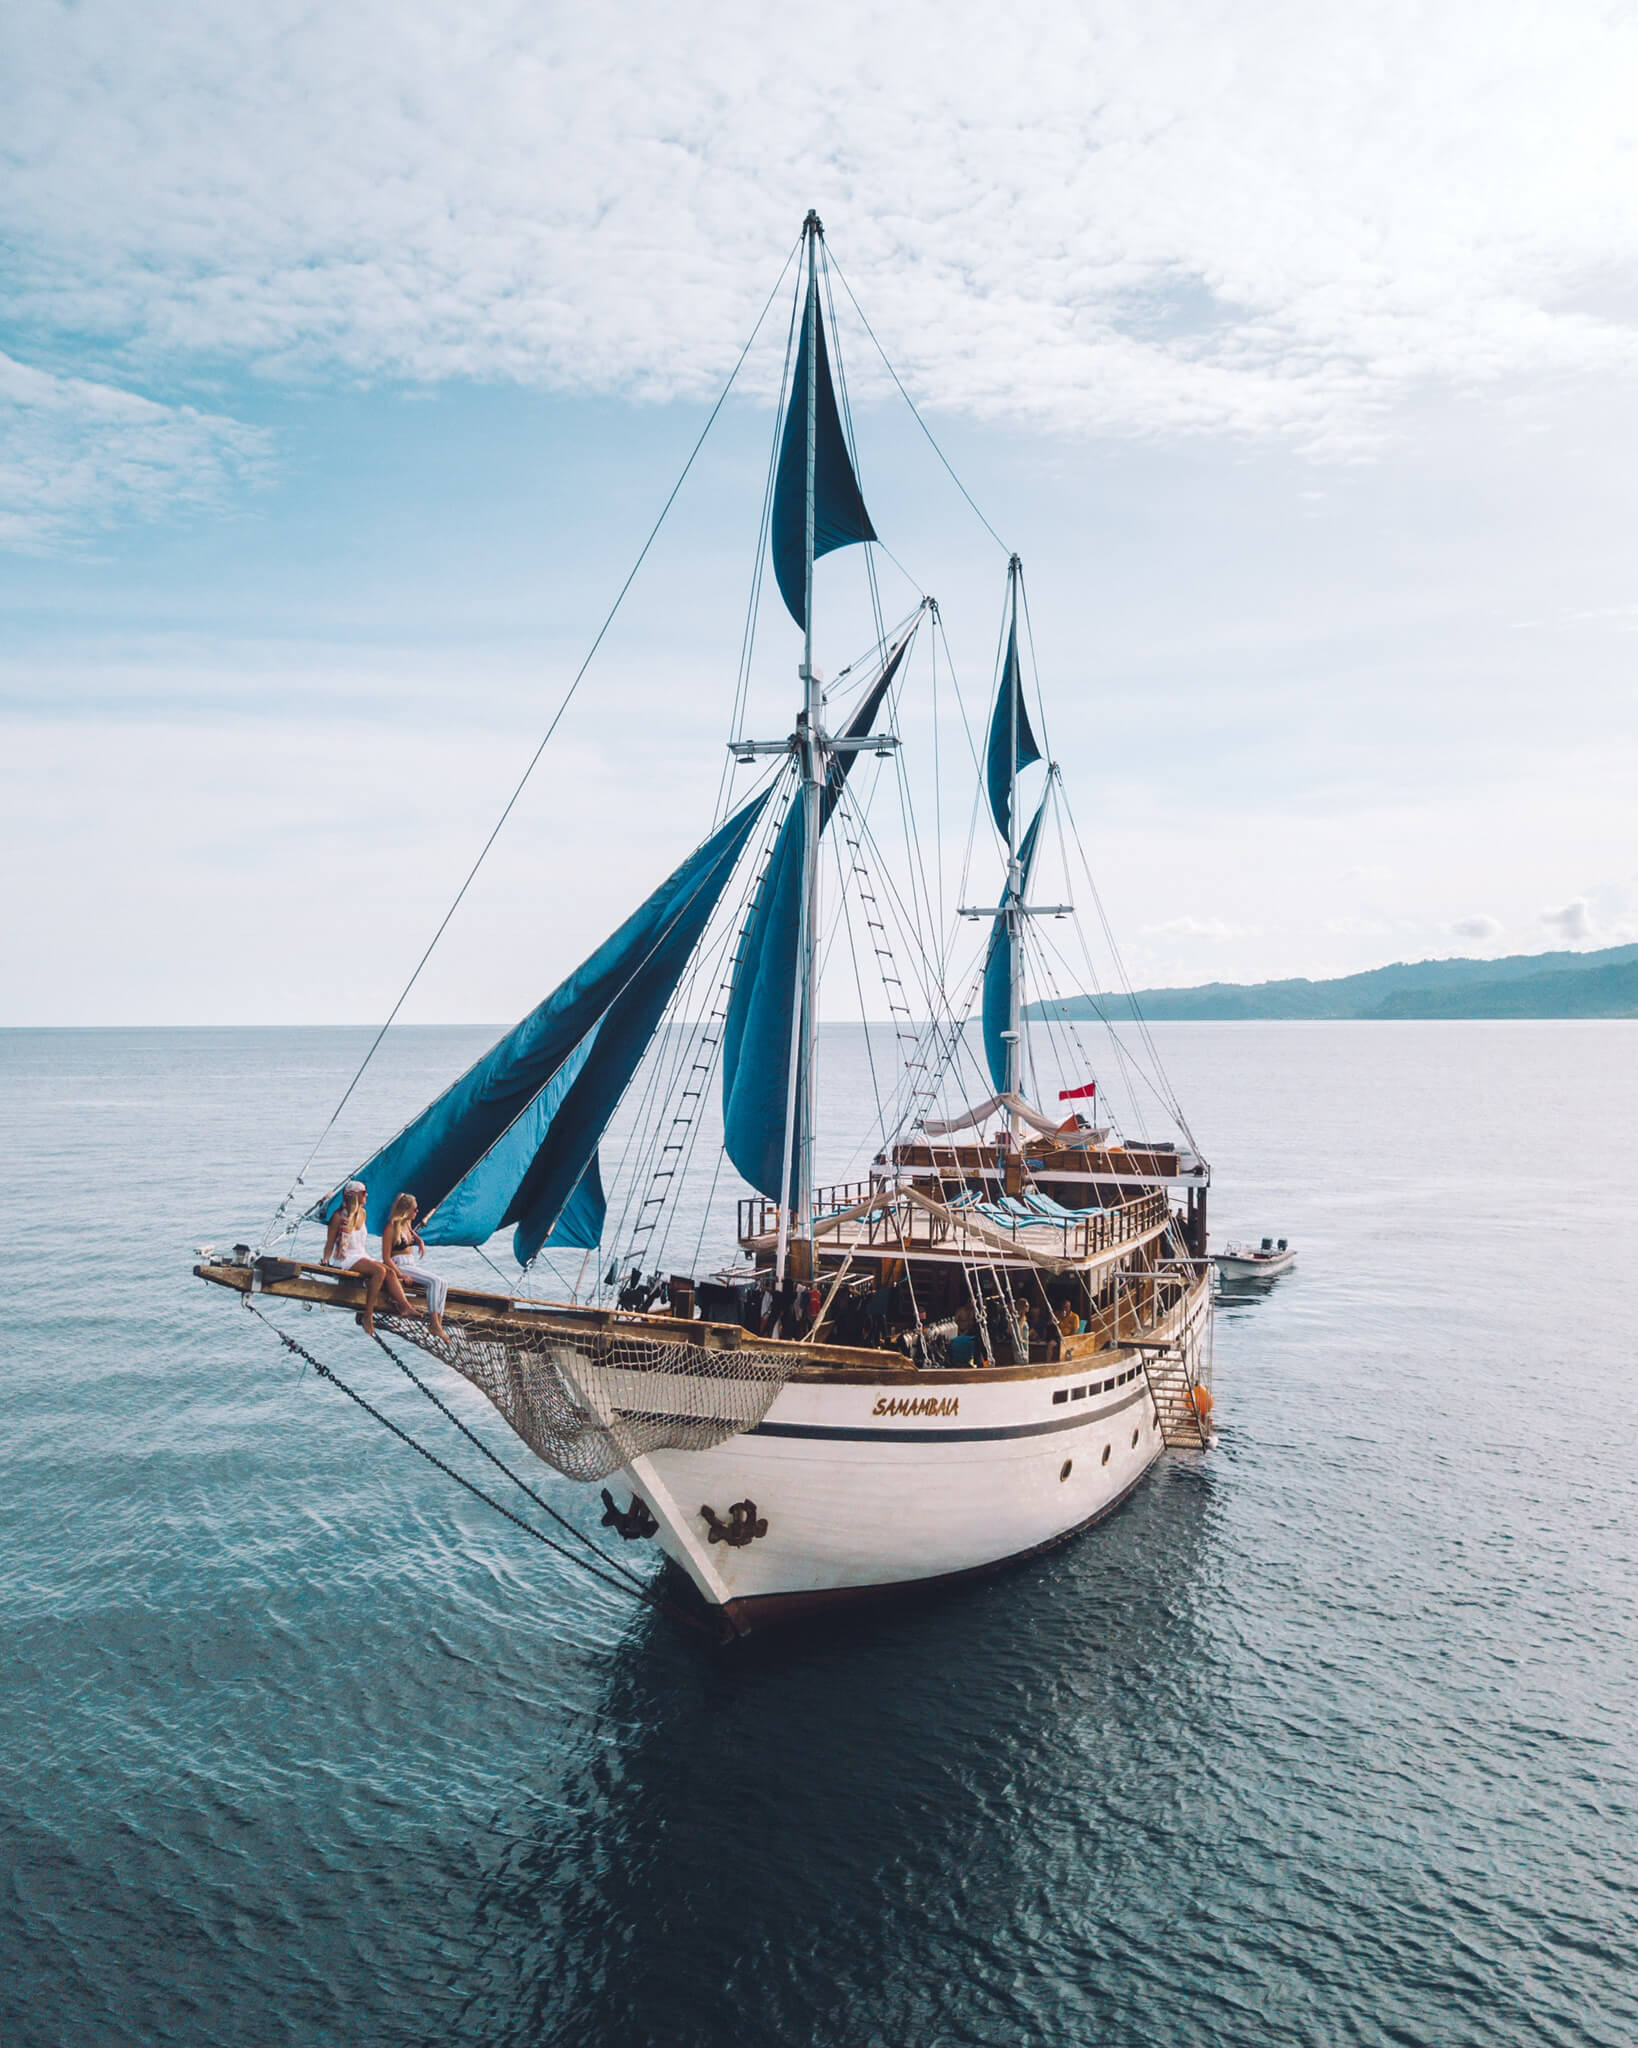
(947, 1436)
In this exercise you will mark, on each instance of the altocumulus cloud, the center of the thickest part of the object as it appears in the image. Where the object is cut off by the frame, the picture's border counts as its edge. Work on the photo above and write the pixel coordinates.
(75, 454)
(1272, 220)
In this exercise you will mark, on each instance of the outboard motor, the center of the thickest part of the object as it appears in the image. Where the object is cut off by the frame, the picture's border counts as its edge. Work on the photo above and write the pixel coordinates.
(1268, 1244)
(1282, 1244)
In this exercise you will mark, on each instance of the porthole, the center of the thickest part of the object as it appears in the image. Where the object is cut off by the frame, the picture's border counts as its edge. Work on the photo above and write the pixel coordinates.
(1134, 1439)
(1069, 1466)
(1106, 1450)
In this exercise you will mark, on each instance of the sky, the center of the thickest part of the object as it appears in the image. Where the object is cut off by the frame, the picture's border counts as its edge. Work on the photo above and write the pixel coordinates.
(348, 355)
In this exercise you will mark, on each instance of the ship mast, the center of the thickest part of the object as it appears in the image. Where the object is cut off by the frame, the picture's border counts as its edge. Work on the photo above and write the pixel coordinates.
(1010, 745)
(1014, 897)
(799, 1115)
(770, 1069)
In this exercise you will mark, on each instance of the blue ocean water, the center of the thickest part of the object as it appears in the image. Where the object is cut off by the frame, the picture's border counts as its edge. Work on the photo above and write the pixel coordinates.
(1327, 1738)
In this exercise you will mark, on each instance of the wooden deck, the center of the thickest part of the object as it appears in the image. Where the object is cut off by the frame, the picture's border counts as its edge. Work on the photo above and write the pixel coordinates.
(1147, 1310)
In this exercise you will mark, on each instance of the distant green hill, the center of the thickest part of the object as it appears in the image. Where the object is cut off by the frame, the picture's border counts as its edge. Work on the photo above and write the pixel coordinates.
(1603, 984)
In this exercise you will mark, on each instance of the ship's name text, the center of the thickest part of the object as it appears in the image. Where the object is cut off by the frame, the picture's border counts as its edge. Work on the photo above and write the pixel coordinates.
(928, 1404)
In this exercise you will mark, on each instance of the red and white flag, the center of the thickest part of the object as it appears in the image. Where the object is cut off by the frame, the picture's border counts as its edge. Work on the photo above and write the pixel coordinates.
(1077, 1094)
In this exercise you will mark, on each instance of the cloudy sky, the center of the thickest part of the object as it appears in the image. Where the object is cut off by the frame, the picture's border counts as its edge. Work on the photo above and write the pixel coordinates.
(348, 354)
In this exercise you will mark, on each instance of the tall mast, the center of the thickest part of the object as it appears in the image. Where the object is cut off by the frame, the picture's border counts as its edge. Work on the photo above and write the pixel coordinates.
(799, 1115)
(813, 771)
(1015, 877)
(771, 1028)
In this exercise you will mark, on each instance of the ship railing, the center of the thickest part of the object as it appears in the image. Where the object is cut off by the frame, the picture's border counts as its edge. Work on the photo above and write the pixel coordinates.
(908, 1226)
(759, 1218)
(1142, 1301)
(1085, 1234)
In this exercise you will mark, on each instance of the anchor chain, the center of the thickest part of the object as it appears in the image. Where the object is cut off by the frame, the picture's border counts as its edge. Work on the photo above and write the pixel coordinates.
(517, 1480)
(623, 1584)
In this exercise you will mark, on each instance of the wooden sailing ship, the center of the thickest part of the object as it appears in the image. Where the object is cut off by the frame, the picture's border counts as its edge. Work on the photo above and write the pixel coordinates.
(963, 1357)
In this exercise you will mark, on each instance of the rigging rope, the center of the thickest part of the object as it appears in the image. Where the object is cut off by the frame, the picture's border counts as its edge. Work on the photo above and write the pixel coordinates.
(747, 648)
(534, 759)
(500, 1465)
(920, 422)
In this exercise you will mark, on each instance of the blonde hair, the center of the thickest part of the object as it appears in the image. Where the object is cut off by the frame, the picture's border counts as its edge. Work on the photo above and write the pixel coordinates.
(401, 1207)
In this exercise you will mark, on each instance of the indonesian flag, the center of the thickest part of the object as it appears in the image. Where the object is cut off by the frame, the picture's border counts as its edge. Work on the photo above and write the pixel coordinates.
(1077, 1094)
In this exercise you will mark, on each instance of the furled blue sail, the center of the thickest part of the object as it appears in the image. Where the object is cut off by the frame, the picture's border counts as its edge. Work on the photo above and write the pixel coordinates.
(839, 515)
(547, 1192)
(1007, 738)
(478, 1144)
(757, 1047)
(757, 1033)
(998, 963)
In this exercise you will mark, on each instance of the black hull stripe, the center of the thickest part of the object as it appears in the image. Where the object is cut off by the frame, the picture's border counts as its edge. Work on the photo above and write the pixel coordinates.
(946, 1436)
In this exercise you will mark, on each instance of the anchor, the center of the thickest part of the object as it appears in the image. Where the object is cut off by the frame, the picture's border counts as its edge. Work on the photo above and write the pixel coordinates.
(630, 1523)
(741, 1527)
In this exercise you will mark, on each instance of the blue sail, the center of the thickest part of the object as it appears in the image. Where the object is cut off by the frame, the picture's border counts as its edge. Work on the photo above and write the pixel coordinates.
(507, 1103)
(476, 1206)
(998, 963)
(579, 1226)
(1005, 736)
(757, 1033)
(547, 1193)
(839, 515)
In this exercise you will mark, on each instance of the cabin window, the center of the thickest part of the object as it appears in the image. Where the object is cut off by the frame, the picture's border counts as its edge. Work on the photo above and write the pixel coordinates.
(1106, 1450)
(1134, 1439)
(1061, 1395)
(1077, 1393)
(1069, 1466)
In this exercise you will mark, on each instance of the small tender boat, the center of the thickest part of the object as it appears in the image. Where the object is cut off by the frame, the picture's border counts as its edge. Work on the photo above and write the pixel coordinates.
(1266, 1261)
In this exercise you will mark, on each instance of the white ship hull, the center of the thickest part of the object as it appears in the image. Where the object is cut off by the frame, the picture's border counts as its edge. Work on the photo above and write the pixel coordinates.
(880, 1484)
(788, 1477)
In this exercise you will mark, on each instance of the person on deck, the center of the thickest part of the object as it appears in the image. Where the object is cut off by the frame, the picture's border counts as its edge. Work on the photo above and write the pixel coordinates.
(347, 1245)
(405, 1249)
(964, 1344)
(1068, 1322)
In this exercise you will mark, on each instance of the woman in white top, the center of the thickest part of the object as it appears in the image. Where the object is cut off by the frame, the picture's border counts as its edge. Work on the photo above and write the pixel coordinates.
(405, 1249)
(347, 1245)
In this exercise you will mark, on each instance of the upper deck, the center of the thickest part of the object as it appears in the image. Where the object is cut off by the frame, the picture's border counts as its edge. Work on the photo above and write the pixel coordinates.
(1083, 1168)
(870, 1221)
